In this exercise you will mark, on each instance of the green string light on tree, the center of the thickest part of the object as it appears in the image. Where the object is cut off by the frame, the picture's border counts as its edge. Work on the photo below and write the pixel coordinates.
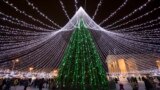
(81, 67)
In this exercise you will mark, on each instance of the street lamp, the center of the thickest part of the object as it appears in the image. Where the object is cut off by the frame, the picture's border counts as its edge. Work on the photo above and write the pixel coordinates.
(55, 72)
(31, 68)
(17, 60)
(14, 63)
(158, 64)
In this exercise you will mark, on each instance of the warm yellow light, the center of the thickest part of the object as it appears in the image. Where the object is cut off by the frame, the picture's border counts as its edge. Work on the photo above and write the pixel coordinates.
(31, 68)
(55, 73)
(17, 60)
(122, 65)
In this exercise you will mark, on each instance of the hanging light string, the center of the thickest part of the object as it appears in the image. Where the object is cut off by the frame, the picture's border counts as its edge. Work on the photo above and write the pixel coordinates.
(48, 60)
(40, 55)
(101, 52)
(10, 29)
(143, 46)
(9, 32)
(124, 36)
(114, 13)
(16, 20)
(138, 25)
(134, 47)
(97, 9)
(114, 44)
(19, 35)
(28, 45)
(130, 14)
(46, 50)
(144, 27)
(38, 58)
(135, 19)
(7, 48)
(149, 36)
(75, 4)
(14, 73)
(42, 14)
(132, 39)
(25, 14)
(23, 25)
(64, 10)
(146, 33)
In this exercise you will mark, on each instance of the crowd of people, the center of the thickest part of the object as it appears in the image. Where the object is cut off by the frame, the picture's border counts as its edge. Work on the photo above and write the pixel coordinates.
(150, 83)
(7, 83)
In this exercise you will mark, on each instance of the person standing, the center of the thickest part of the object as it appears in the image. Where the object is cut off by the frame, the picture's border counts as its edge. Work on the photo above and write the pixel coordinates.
(147, 83)
(116, 80)
(15, 83)
(121, 86)
(134, 85)
(1, 83)
(7, 84)
(25, 84)
(157, 83)
(41, 82)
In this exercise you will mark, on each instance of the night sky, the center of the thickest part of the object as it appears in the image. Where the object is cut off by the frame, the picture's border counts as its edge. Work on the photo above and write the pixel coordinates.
(53, 9)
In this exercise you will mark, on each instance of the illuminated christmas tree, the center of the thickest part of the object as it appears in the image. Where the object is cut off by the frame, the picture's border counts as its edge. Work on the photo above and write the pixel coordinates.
(81, 67)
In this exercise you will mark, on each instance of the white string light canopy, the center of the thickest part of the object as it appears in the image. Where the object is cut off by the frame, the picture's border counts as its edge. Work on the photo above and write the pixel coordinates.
(42, 46)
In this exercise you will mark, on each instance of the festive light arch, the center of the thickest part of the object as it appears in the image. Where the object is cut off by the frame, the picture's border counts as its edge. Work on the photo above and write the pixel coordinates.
(34, 44)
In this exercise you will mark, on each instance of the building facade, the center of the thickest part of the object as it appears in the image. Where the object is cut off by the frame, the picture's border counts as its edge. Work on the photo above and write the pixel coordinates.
(132, 63)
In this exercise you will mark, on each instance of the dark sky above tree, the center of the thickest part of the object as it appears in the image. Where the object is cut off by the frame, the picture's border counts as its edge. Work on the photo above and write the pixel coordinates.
(53, 9)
